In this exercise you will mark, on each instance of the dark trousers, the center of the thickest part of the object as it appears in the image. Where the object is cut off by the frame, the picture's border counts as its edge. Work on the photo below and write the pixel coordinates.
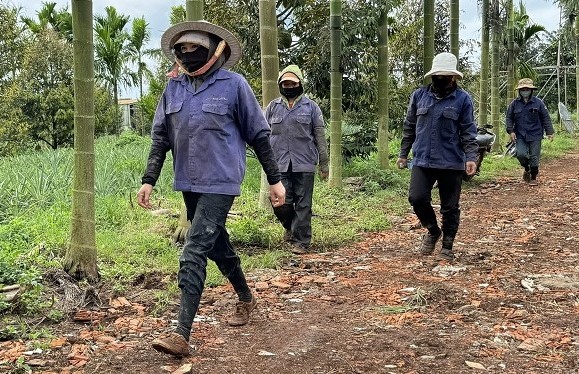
(206, 239)
(420, 197)
(296, 214)
(529, 155)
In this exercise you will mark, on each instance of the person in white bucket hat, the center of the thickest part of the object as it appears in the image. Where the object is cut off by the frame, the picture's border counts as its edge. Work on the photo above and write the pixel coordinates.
(205, 117)
(441, 131)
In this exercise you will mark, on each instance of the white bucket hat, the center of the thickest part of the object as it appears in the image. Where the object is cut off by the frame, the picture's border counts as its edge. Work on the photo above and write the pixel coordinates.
(176, 33)
(444, 64)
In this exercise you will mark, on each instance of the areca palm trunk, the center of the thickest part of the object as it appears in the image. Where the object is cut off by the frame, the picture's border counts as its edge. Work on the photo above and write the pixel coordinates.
(269, 72)
(80, 258)
(335, 179)
(577, 65)
(495, 61)
(454, 27)
(511, 62)
(484, 66)
(428, 33)
(383, 94)
(194, 10)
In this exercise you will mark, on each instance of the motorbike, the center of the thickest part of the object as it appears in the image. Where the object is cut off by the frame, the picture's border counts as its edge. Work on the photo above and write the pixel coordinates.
(485, 140)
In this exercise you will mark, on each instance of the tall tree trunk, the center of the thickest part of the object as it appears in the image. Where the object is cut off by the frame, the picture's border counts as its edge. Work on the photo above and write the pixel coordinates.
(335, 179)
(80, 258)
(194, 10)
(117, 108)
(383, 91)
(454, 27)
(495, 63)
(577, 65)
(484, 66)
(511, 64)
(269, 72)
(428, 33)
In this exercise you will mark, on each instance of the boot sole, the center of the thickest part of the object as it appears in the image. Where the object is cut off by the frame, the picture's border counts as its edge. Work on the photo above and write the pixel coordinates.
(163, 348)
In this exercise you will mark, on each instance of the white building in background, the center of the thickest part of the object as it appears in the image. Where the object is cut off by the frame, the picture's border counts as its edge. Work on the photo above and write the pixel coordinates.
(127, 107)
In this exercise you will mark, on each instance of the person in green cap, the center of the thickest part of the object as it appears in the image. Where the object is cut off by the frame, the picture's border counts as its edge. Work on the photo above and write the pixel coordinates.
(299, 144)
(527, 121)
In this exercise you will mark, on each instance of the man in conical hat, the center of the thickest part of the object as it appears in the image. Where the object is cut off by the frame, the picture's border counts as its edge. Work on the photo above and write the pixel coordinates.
(205, 117)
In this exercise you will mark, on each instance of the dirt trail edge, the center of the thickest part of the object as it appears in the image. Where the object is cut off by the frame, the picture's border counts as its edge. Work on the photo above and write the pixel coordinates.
(509, 304)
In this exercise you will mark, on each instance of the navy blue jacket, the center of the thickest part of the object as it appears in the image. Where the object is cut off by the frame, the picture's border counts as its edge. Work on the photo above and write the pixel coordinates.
(441, 132)
(530, 120)
(207, 131)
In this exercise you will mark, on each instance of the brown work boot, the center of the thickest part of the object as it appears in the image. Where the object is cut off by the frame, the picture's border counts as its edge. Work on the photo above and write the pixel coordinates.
(173, 344)
(298, 249)
(533, 181)
(242, 311)
(428, 243)
(287, 236)
(446, 253)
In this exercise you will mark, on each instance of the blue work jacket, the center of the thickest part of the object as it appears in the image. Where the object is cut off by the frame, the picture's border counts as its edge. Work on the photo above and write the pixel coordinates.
(440, 132)
(293, 134)
(529, 120)
(207, 131)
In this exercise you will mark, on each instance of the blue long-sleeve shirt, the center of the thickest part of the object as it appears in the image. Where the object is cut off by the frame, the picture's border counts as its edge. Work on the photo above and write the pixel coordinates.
(440, 132)
(206, 130)
(529, 120)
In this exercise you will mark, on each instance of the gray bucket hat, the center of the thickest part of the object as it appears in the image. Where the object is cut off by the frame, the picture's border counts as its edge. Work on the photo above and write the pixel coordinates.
(172, 34)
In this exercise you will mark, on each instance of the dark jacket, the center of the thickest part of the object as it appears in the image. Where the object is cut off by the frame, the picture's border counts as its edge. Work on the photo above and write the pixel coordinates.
(530, 120)
(440, 132)
(297, 135)
(207, 130)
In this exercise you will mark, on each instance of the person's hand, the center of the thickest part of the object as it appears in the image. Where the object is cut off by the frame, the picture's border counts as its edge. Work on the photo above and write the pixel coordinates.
(402, 163)
(277, 194)
(470, 167)
(513, 136)
(324, 173)
(143, 196)
(550, 137)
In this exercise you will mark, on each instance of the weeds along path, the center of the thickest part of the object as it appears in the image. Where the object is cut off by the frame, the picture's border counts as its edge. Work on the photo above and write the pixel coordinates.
(509, 304)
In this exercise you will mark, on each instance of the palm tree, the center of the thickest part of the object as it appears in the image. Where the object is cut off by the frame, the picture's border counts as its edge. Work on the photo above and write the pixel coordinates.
(484, 65)
(428, 46)
(335, 179)
(495, 63)
(523, 32)
(137, 39)
(510, 14)
(80, 257)
(111, 57)
(454, 27)
(194, 10)
(49, 17)
(383, 87)
(269, 71)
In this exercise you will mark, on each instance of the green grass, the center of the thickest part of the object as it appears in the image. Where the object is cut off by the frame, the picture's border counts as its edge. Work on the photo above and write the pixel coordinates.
(35, 205)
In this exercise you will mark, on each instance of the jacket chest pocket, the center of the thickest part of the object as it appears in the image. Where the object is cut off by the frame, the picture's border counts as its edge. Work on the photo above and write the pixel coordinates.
(276, 125)
(214, 116)
(449, 121)
(173, 111)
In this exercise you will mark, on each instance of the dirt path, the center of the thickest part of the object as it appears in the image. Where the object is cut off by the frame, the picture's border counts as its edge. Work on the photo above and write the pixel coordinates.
(510, 304)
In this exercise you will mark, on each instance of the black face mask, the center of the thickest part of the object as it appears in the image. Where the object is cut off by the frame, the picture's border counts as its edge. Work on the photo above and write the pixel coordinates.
(291, 92)
(193, 61)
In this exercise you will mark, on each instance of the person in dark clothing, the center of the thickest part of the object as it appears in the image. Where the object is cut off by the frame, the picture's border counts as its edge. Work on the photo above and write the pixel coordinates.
(441, 131)
(527, 121)
(205, 117)
(299, 144)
